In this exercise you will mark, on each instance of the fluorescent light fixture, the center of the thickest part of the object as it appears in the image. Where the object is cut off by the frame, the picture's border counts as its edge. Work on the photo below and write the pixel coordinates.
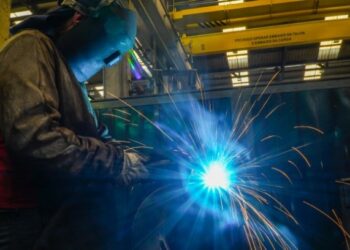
(339, 17)
(100, 90)
(235, 29)
(17, 22)
(222, 2)
(240, 79)
(329, 49)
(238, 59)
(332, 43)
(21, 14)
(313, 72)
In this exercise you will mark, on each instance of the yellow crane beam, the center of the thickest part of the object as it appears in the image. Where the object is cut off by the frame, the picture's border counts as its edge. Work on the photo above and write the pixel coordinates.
(268, 37)
(5, 6)
(253, 8)
(263, 20)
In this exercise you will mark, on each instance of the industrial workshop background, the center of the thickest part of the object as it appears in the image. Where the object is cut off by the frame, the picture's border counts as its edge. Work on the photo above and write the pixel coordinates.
(284, 63)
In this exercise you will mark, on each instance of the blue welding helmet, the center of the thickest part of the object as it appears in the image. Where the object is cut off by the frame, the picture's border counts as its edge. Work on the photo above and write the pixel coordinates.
(98, 41)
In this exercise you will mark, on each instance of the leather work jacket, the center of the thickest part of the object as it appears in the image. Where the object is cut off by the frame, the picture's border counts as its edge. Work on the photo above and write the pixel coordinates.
(51, 136)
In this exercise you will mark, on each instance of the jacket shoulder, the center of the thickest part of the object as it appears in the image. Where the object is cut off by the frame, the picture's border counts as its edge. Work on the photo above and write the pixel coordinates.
(30, 40)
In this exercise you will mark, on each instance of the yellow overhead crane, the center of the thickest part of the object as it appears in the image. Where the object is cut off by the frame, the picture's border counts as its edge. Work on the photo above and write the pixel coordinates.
(268, 37)
(258, 9)
(270, 23)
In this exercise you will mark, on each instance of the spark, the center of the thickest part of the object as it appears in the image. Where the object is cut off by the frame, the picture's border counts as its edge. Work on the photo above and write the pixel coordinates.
(282, 208)
(268, 84)
(247, 126)
(340, 222)
(310, 128)
(302, 155)
(137, 142)
(138, 147)
(142, 115)
(116, 116)
(343, 181)
(283, 173)
(336, 221)
(122, 111)
(274, 110)
(219, 177)
(217, 183)
(296, 167)
(270, 137)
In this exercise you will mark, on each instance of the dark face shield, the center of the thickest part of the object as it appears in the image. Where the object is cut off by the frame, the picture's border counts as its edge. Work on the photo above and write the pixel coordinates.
(98, 42)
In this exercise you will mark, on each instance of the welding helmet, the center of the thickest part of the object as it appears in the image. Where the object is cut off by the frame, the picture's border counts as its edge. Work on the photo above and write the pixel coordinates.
(101, 39)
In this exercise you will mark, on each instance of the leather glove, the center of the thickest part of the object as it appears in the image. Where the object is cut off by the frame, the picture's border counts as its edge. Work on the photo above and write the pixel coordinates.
(133, 169)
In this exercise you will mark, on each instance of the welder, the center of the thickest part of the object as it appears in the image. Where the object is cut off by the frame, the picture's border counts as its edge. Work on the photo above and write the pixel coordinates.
(59, 169)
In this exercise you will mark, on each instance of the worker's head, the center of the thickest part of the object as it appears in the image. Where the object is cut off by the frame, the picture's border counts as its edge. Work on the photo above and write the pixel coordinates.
(91, 34)
(98, 34)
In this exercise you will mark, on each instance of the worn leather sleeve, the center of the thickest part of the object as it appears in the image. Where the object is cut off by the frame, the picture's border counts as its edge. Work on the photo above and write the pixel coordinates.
(30, 117)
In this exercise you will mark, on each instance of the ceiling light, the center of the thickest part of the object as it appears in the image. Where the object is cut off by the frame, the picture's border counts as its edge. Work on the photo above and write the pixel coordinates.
(223, 2)
(21, 14)
(235, 29)
(313, 72)
(237, 59)
(329, 49)
(240, 79)
(339, 17)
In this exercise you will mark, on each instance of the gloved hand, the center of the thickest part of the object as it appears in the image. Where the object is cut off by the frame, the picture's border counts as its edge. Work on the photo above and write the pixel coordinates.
(133, 169)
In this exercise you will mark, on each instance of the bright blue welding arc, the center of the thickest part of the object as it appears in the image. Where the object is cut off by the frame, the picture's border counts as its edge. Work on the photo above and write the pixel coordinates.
(217, 176)
(209, 188)
(209, 156)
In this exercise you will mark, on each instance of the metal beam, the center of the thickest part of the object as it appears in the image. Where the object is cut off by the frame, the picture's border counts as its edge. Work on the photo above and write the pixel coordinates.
(223, 93)
(252, 9)
(260, 21)
(153, 14)
(157, 25)
(268, 37)
(344, 64)
(256, 14)
(5, 6)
